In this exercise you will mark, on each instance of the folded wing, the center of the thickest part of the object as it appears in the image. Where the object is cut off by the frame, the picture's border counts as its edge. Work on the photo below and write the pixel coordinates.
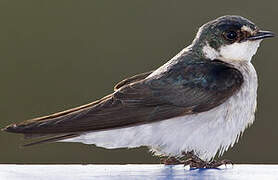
(193, 88)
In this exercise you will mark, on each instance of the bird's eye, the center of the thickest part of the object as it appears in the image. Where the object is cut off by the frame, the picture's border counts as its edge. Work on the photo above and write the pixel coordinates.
(231, 35)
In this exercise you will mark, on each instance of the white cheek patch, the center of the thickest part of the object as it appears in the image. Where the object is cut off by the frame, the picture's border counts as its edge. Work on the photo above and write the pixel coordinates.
(209, 52)
(240, 51)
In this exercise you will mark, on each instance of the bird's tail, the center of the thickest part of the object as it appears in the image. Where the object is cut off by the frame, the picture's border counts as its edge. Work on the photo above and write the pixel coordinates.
(51, 139)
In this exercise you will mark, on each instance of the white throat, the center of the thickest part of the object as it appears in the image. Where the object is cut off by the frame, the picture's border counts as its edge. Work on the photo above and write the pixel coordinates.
(242, 51)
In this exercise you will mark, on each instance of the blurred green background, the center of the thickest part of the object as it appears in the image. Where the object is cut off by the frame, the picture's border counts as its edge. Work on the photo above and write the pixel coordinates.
(60, 54)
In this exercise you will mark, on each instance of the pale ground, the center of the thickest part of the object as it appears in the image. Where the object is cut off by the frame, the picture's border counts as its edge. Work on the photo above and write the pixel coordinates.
(130, 172)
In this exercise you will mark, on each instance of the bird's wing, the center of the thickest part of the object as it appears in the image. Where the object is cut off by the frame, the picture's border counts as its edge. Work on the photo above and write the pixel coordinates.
(132, 79)
(195, 88)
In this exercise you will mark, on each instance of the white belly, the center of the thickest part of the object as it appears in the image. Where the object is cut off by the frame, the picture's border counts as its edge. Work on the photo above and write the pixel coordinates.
(206, 133)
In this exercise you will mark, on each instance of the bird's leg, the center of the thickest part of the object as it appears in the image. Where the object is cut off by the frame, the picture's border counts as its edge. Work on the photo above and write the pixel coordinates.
(217, 163)
(195, 162)
(171, 161)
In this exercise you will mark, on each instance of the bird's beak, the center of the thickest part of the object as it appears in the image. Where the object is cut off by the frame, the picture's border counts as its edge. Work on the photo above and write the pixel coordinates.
(261, 35)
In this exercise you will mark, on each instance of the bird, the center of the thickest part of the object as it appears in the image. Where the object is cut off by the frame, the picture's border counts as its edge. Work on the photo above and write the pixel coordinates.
(196, 105)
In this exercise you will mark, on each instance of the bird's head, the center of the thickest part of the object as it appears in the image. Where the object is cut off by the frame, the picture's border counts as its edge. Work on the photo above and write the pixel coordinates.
(229, 38)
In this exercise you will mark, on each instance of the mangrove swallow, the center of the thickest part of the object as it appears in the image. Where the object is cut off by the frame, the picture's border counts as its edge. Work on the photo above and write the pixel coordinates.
(197, 104)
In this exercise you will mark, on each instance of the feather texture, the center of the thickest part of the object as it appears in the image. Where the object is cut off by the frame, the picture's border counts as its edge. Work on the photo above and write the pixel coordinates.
(186, 88)
(205, 133)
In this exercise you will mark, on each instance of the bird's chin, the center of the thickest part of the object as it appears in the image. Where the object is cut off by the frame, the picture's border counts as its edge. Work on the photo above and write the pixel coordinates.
(242, 51)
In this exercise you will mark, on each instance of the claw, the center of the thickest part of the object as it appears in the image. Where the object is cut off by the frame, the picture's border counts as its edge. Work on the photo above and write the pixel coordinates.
(224, 162)
(171, 161)
(195, 162)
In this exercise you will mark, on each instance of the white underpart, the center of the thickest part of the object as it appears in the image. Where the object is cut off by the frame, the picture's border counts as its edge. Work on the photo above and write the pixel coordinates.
(206, 133)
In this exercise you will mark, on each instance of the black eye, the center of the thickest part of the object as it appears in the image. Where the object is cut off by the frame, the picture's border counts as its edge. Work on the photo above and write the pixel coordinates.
(230, 35)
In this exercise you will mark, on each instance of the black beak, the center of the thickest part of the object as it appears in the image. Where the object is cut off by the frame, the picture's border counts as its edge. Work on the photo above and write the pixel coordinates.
(261, 35)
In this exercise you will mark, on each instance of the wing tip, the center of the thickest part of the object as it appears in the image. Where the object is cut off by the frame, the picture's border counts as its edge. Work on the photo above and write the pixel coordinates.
(10, 128)
(18, 128)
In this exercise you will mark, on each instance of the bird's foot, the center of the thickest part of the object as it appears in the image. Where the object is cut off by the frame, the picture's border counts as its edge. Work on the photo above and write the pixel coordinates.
(171, 161)
(215, 163)
(195, 162)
